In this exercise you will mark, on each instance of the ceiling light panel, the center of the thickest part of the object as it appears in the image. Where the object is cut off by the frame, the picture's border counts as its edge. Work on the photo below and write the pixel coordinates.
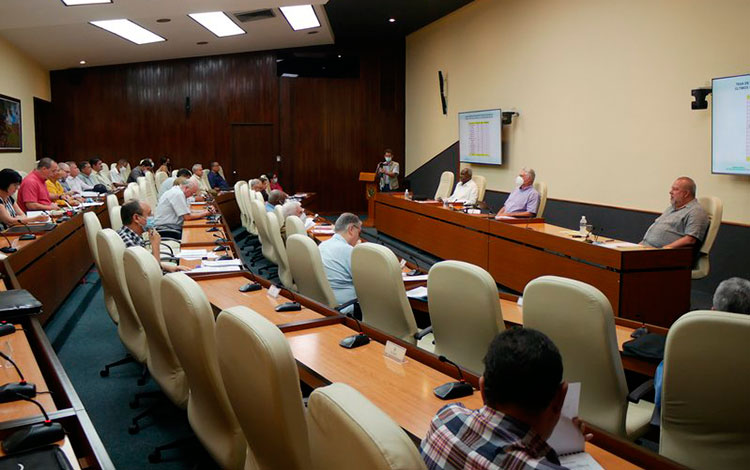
(218, 23)
(72, 3)
(126, 29)
(300, 17)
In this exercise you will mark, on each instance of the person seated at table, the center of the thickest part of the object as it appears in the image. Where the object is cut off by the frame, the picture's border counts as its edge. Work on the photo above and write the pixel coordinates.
(57, 193)
(276, 198)
(275, 182)
(733, 296)
(116, 175)
(524, 200)
(65, 169)
(215, 180)
(257, 185)
(169, 182)
(466, 189)
(683, 224)
(388, 172)
(198, 178)
(336, 255)
(100, 178)
(174, 209)
(86, 176)
(137, 220)
(74, 183)
(10, 213)
(143, 166)
(165, 165)
(266, 190)
(33, 194)
(291, 207)
(523, 394)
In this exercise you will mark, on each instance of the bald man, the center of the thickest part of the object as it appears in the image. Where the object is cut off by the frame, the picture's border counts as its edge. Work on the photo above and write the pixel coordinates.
(683, 224)
(174, 209)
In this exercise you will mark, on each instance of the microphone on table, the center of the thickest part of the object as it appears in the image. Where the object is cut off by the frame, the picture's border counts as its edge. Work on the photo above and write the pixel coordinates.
(27, 236)
(36, 435)
(451, 390)
(220, 240)
(355, 341)
(13, 390)
(10, 248)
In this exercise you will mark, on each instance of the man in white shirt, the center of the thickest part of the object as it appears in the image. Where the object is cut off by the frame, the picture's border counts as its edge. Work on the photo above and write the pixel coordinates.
(86, 176)
(174, 209)
(466, 189)
(198, 178)
(116, 174)
(74, 183)
(100, 178)
(336, 255)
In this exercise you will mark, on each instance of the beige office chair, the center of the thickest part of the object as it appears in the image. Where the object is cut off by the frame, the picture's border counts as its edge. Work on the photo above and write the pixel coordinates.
(578, 318)
(380, 290)
(190, 324)
(221, 172)
(445, 185)
(285, 275)
(307, 270)
(205, 185)
(115, 220)
(112, 167)
(294, 226)
(279, 212)
(132, 193)
(105, 172)
(143, 276)
(159, 178)
(714, 208)
(149, 189)
(260, 216)
(348, 431)
(541, 188)
(111, 251)
(262, 382)
(241, 202)
(705, 406)
(465, 312)
(247, 196)
(92, 226)
(481, 183)
(125, 172)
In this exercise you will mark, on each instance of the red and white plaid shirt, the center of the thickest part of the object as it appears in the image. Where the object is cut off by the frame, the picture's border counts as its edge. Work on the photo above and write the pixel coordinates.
(460, 438)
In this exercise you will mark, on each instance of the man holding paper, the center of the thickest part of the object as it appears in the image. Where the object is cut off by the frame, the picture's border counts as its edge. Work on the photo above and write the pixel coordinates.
(523, 395)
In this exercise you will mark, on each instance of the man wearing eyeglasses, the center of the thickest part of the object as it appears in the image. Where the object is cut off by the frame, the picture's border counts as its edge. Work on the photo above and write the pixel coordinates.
(336, 254)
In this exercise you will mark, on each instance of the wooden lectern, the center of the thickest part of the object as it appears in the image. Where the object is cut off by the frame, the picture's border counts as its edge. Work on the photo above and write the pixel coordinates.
(371, 188)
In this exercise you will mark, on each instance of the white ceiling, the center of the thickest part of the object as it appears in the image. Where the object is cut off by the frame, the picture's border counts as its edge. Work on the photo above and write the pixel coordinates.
(58, 37)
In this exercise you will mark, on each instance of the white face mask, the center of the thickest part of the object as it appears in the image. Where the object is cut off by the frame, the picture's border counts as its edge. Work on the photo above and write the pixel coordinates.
(519, 180)
(275, 180)
(388, 159)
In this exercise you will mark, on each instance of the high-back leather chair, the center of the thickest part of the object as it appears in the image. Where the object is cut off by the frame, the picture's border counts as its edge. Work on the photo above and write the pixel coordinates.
(241, 202)
(143, 276)
(146, 188)
(380, 290)
(307, 270)
(247, 196)
(105, 172)
(481, 183)
(279, 216)
(294, 226)
(445, 185)
(578, 318)
(541, 188)
(705, 405)
(714, 208)
(92, 226)
(190, 324)
(348, 431)
(465, 312)
(260, 216)
(159, 178)
(204, 179)
(112, 167)
(285, 275)
(111, 251)
(262, 382)
(115, 220)
(132, 193)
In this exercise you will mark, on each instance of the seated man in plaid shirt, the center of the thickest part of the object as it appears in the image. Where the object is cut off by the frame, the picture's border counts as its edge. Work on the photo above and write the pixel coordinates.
(136, 219)
(523, 395)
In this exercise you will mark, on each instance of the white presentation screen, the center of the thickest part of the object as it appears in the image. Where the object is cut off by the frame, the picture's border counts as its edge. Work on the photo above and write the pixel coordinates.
(730, 134)
(479, 137)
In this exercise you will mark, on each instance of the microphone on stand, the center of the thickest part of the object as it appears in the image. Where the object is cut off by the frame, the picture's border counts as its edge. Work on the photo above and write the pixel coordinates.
(12, 391)
(10, 248)
(451, 390)
(36, 435)
(27, 236)
(355, 341)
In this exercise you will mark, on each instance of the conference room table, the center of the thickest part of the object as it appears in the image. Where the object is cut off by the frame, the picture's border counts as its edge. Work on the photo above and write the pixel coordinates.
(643, 284)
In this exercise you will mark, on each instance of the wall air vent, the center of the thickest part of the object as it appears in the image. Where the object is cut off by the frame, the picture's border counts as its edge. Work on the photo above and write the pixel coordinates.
(254, 15)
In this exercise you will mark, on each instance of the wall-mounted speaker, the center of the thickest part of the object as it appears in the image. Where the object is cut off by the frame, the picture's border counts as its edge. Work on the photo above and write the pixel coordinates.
(441, 81)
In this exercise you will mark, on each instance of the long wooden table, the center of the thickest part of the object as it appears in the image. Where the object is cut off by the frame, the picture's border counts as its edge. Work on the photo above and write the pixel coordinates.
(643, 284)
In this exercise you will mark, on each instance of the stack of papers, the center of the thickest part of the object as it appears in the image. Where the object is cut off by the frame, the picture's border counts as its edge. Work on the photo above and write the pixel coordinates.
(418, 277)
(221, 263)
(196, 254)
(36, 213)
(215, 269)
(91, 204)
(90, 194)
(618, 244)
(419, 293)
(324, 229)
(567, 439)
(309, 222)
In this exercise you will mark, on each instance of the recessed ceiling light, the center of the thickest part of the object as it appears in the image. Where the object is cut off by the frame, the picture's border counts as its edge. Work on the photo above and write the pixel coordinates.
(202, 43)
(339, 56)
(73, 3)
(218, 23)
(300, 17)
(83, 62)
(163, 20)
(391, 20)
(128, 30)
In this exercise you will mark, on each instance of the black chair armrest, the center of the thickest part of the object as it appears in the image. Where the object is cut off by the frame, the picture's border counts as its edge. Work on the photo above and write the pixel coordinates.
(341, 307)
(422, 333)
(640, 391)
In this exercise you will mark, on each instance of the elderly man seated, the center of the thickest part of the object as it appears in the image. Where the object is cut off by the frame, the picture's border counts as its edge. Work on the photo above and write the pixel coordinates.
(336, 255)
(276, 198)
(524, 200)
(683, 224)
(466, 189)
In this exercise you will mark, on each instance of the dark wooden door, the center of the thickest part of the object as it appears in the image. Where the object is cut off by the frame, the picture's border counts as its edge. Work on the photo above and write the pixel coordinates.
(253, 151)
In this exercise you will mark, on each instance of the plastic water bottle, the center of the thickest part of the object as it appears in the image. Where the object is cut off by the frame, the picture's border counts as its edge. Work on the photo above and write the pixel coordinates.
(582, 226)
(406, 194)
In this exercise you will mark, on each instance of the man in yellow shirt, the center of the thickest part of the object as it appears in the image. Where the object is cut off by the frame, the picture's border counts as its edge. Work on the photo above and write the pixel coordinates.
(56, 191)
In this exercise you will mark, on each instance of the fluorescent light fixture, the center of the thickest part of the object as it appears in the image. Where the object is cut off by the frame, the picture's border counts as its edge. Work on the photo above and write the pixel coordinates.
(300, 17)
(290, 75)
(128, 30)
(72, 3)
(218, 23)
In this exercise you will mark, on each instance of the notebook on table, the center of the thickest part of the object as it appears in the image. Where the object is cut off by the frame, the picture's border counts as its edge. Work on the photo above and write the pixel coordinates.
(567, 439)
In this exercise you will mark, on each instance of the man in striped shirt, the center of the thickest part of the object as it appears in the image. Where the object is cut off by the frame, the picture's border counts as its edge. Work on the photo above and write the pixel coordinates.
(523, 393)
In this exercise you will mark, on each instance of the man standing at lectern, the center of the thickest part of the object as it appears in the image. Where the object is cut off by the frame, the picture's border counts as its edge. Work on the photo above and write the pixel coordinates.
(387, 172)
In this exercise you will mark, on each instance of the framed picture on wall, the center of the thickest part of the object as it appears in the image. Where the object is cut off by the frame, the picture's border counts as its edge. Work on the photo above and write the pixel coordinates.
(10, 124)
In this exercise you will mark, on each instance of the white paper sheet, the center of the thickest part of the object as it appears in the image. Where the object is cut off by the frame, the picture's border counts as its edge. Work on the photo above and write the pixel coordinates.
(309, 222)
(618, 244)
(91, 204)
(567, 437)
(580, 461)
(417, 293)
(220, 269)
(89, 194)
(418, 277)
(220, 263)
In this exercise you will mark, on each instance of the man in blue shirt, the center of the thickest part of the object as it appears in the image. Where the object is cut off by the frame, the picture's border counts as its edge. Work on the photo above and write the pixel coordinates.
(524, 200)
(336, 254)
(276, 198)
(215, 179)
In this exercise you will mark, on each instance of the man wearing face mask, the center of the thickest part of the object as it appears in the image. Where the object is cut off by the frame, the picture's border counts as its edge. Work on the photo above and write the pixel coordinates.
(388, 172)
(524, 200)
(466, 189)
(136, 220)
(683, 223)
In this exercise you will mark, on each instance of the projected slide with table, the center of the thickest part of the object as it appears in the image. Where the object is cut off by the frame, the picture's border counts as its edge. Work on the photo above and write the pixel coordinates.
(731, 125)
(479, 137)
